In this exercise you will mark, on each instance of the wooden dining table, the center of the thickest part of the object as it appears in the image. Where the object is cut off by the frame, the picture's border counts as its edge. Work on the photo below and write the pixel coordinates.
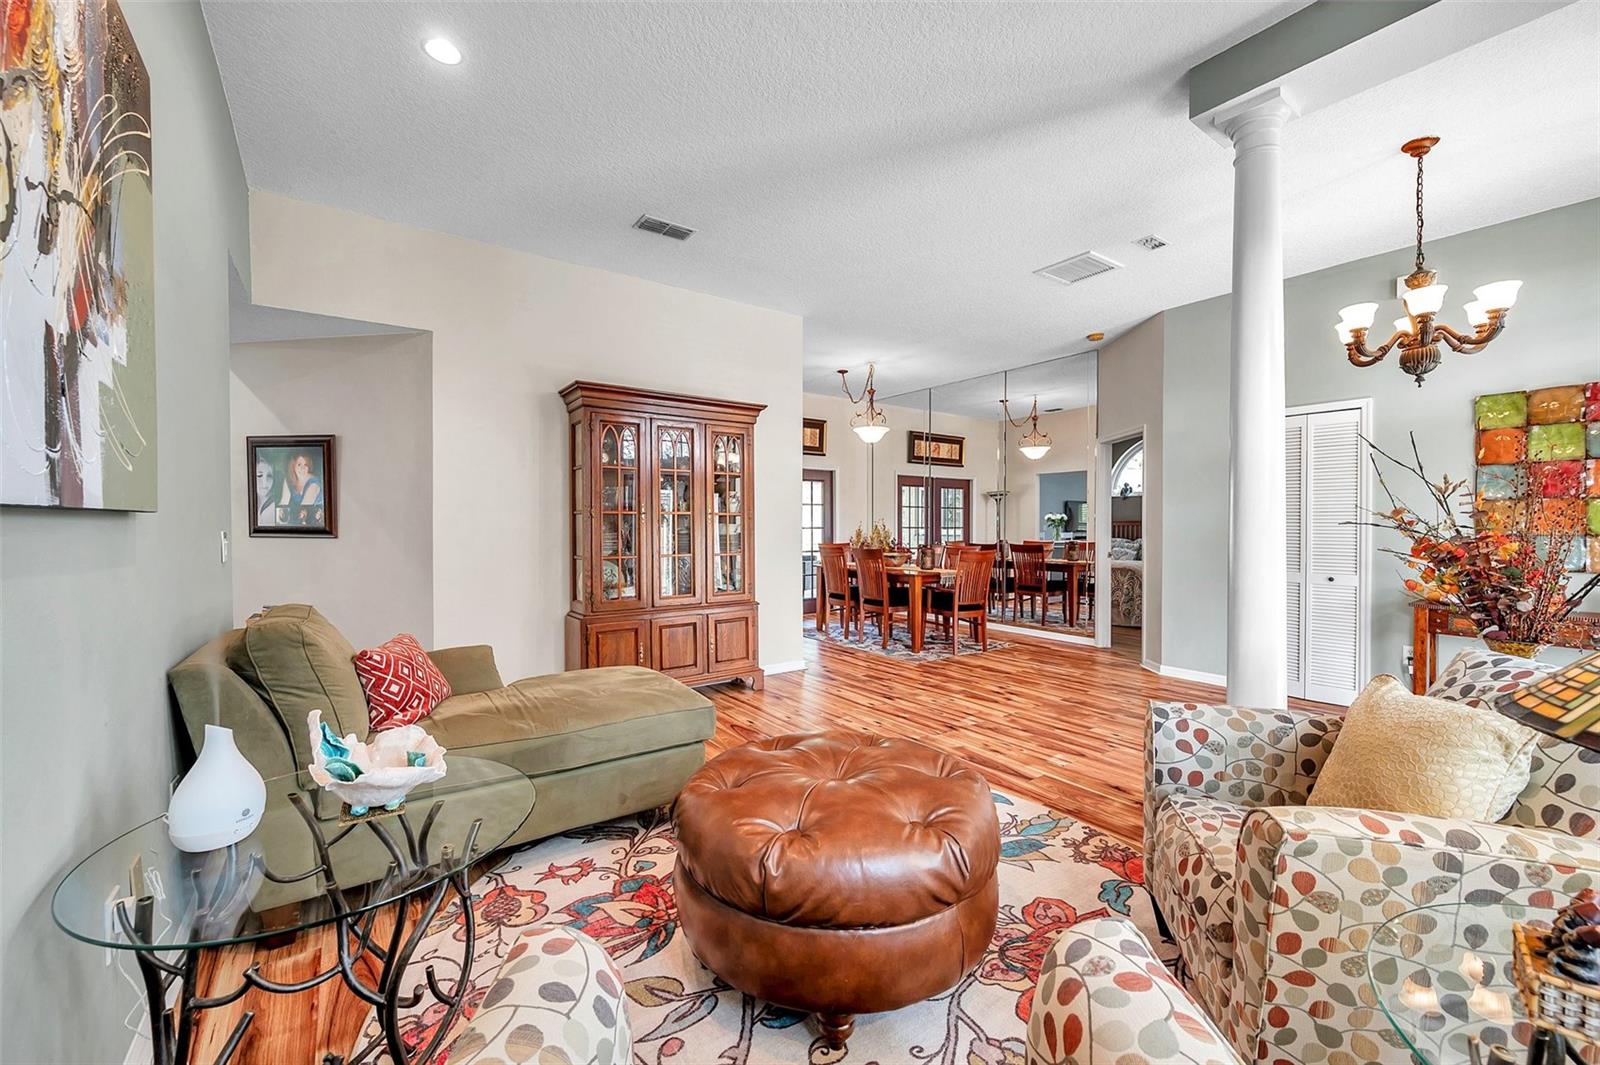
(1072, 567)
(913, 577)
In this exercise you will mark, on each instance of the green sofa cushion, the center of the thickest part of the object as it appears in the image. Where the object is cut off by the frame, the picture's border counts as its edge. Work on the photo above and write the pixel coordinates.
(566, 720)
(468, 669)
(298, 662)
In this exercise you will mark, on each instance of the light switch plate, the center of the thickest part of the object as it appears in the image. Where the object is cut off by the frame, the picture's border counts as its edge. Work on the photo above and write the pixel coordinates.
(224, 547)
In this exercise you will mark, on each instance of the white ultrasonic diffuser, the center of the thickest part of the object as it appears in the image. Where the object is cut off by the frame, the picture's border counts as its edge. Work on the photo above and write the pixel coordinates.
(220, 800)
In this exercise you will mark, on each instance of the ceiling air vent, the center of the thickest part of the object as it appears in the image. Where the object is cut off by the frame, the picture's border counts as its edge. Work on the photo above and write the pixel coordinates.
(1079, 268)
(666, 229)
(1151, 243)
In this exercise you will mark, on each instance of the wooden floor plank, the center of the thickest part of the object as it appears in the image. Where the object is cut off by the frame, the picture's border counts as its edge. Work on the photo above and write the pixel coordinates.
(1061, 724)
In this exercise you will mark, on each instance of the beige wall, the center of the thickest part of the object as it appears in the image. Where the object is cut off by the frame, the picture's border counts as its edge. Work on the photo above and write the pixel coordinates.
(375, 394)
(509, 330)
(1072, 447)
(865, 477)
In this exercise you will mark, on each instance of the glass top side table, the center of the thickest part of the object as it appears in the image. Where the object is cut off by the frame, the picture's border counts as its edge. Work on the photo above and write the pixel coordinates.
(1442, 976)
(306, 865)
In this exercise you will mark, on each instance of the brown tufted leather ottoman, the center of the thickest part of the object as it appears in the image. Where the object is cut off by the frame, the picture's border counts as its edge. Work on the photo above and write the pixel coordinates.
(837, 873)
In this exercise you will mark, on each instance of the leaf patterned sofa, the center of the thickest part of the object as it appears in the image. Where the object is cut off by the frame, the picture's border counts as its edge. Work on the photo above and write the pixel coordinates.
(1272, 902)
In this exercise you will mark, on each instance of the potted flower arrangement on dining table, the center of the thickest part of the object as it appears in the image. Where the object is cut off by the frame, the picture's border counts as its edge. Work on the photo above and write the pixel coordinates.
(1507, 575)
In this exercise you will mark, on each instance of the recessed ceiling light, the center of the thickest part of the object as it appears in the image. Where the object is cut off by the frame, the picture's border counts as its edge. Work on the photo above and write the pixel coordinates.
(441, 49)
(1095, 337)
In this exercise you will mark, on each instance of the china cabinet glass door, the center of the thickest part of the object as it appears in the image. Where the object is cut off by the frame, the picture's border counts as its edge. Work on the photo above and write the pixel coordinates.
(618, 528)
(729, 454)
(678, 505)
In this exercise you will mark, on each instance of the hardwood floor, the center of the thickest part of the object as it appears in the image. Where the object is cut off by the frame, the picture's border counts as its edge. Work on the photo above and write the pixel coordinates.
(1058, 723)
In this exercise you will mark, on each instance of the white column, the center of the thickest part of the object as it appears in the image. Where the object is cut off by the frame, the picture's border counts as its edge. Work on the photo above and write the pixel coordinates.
(1257, 558)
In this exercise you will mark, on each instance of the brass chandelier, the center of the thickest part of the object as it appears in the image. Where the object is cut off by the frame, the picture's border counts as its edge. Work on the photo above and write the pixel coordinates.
(1417, 335)
(1035, 445)
(869, 423)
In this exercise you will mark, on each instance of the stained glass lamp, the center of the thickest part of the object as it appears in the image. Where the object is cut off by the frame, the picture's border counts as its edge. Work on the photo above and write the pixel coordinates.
(1565, 704)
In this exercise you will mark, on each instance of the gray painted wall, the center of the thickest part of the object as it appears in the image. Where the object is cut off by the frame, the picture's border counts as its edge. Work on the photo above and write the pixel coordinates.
(95, 606)
(375, 394)
(1553, 338)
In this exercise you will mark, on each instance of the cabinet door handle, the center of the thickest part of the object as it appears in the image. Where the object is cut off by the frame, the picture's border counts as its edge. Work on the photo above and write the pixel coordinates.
(713, 640)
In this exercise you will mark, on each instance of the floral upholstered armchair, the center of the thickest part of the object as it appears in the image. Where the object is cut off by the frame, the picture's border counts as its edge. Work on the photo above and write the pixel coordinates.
(1272, 903)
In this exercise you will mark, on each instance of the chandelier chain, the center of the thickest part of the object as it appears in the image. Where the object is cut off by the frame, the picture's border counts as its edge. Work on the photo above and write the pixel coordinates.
(1419, 212)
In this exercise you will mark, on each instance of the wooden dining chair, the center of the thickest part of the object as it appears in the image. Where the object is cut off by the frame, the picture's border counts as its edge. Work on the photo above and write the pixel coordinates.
(837, 591)
(878, 597)
(1030, 582)
(1000, 583)
(1056, 583)
(948, 553)
(968, 600)
(1084, 589)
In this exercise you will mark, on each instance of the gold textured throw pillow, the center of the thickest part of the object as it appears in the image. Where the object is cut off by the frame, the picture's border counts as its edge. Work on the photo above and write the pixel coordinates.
(1413, 754)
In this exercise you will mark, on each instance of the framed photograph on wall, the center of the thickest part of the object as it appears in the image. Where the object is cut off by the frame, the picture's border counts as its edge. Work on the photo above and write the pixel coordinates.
(813, 436)
(936, 449)
(292, 486)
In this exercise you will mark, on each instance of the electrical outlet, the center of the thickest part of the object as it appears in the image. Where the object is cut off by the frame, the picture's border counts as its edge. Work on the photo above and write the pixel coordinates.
(224, 547)
(113, 927)
(1408, 659)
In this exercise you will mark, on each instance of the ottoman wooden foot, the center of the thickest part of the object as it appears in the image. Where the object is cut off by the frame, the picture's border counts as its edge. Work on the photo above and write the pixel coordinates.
(836, 1028)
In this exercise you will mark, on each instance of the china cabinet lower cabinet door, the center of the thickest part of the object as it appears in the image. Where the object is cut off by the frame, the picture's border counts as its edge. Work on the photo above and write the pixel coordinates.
(618, 643)
(678, 644)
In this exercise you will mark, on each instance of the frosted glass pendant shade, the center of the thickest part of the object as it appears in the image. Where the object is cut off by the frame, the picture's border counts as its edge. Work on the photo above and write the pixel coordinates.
(1346, 332)
(220, 800)
(1477, 313)
(871, 432)
(1498, 295)
(1402, 325)
(1358, 315)
(1034, 451)
(1426, 300)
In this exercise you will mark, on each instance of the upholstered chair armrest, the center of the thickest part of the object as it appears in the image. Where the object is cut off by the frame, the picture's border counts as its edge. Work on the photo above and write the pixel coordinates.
(468, 669)
(1104, 998)
(1246, 757)
(1314, 883)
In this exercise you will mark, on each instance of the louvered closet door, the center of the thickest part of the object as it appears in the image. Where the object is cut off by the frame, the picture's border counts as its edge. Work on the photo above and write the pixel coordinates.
(1295, 580)
(1331, 630)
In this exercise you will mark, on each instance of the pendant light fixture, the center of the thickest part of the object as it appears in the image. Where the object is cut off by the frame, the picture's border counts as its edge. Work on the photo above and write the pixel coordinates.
(1035, 445)
(1417, 334)
(869, 423)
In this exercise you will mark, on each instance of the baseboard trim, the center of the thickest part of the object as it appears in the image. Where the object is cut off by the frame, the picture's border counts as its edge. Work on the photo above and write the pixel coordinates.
(1179, 673)
(1042, 634)
(797, 665)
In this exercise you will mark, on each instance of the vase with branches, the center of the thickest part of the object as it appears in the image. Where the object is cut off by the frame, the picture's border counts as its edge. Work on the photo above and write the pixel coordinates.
(1502, 571)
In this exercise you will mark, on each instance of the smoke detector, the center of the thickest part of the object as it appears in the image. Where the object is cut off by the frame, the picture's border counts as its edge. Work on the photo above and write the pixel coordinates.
(1151, 243)
(663, 227)
(1079, 268)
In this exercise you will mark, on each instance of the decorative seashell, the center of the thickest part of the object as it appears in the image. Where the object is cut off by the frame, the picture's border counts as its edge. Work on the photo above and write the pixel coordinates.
(378, 772)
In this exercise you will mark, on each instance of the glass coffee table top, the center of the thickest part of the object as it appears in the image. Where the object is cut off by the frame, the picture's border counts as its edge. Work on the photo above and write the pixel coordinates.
(272, 882)
(1442, 975)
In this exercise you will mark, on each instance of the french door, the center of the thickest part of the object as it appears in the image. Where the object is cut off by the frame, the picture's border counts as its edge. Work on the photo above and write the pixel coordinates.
(933, 510)
(816, 529)
(1326, 504)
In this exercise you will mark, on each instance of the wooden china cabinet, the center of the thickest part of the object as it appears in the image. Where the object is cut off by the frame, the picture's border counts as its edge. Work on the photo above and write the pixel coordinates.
(663, 533)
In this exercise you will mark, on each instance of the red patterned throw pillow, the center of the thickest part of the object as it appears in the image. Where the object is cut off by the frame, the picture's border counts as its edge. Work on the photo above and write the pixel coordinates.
(401, 682)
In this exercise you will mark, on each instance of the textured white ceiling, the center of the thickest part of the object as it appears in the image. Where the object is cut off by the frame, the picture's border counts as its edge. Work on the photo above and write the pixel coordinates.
(893, 172)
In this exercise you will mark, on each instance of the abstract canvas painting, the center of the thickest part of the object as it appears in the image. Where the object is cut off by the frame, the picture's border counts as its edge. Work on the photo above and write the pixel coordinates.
(77, 324)
(1539, 454)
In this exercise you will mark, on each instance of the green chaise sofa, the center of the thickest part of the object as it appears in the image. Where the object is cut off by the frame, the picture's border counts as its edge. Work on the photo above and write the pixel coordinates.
(597, 743)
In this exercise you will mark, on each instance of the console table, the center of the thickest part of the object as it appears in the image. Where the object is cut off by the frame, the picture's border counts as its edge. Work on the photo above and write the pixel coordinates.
(1580, 632)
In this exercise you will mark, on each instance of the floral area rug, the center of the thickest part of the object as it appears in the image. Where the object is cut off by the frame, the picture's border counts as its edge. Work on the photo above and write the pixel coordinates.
(935, 644)
(614, 881)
